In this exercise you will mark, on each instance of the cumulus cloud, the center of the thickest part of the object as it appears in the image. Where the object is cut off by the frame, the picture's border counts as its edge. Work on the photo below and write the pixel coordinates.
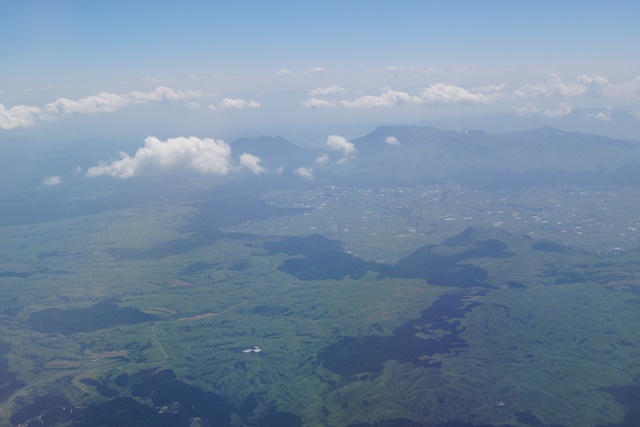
(340, 143)
(440, 93)
(387, 98)
(563, 110)
(238, 103)
(630, 89)
(284, 72)
(329, 90)
(392, 140)
(529, 108)
(163, 93)
(322, 158)
(52, 180)
(436, 94)
(318, 103)
(553, 87)
(602, 115)
(26, 116)
(100, 103)
(491, 89)
(306, 173)
(594, 79)
(19, 116)
(595, 85)
(207, 156)
(252, 163)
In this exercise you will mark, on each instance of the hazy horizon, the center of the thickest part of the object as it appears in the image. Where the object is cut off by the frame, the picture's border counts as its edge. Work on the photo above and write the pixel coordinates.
(252, 68)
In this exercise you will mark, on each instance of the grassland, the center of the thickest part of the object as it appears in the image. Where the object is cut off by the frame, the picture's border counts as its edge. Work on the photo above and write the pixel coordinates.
(545, 349)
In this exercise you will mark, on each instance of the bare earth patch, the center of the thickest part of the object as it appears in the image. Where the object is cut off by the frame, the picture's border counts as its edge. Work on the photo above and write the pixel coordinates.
(198, 317)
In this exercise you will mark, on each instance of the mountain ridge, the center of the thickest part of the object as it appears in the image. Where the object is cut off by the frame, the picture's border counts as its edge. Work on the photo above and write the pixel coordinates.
(410, 152)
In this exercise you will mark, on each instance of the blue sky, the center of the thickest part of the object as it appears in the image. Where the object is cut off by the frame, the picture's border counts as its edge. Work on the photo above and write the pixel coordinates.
(225, 69)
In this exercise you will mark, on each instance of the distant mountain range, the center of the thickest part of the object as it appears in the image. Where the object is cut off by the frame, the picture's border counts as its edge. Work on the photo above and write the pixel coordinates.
(543, 156)
(275, 152)
(388, 156)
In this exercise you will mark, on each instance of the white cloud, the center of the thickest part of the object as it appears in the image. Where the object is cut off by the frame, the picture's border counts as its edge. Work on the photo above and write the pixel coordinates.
(595, 85)
(394, 68)
(322, 158)
(318, 103)
(436, 94)
(411, 70)
(635, 114)
(340, 143)
(392, 140)
(563, 110)
(558, 87)
(306, 173)
(387, 98)
(491, 88)
(602, 115)
(630, 89)
(440, 93)
(238, 103)
(252, 163)
(315, 70)
(163, 93)
(329, 90)
(52, 180)
(594, 79)
(530, 108)
(26, 116)
(554, 87)
(206, 156)
(19, 116)
(284, 72)
(102, 102)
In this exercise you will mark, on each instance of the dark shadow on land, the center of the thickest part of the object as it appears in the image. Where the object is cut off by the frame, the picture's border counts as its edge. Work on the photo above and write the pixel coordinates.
(628, 396)
(160, 399)
(105, 314)
(321, 260)
(9, 382)
(304, 245)
(204, 228)
(353, 355)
